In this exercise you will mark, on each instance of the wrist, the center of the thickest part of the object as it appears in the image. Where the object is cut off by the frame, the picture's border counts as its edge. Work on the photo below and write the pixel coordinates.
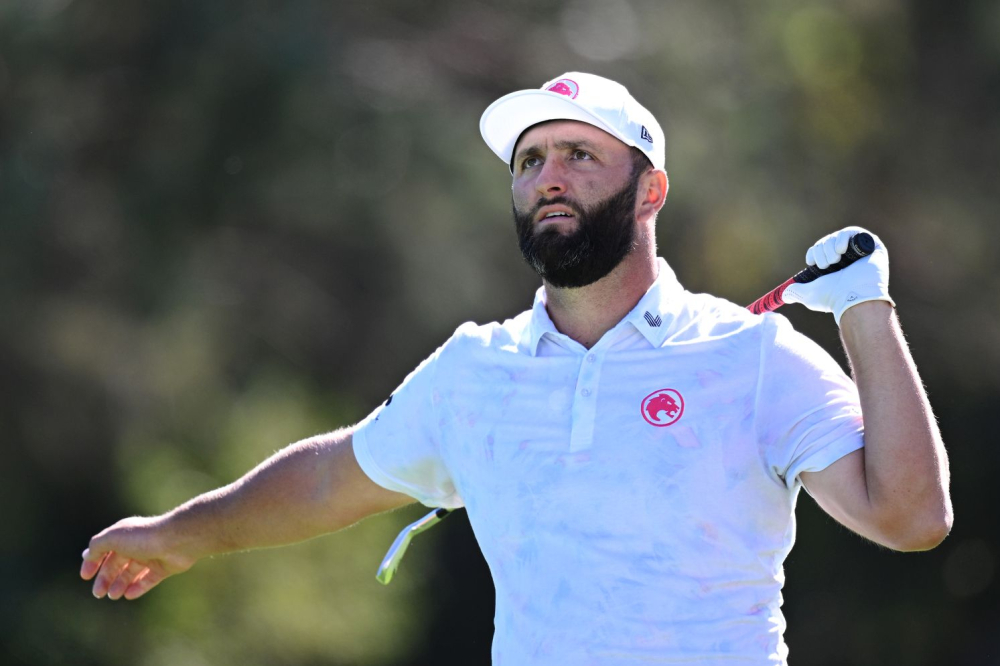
(865, 319)
(188, 531)
(855, 300)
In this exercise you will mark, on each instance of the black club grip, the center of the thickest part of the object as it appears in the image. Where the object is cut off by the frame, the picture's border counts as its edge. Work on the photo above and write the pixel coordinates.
(860, 245)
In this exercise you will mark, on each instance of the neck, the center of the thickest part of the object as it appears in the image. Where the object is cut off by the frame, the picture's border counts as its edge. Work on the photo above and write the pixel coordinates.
(585, 314)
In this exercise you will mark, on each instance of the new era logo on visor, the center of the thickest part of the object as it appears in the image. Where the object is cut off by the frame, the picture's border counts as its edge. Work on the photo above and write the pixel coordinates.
(566, 87)
(646, 135)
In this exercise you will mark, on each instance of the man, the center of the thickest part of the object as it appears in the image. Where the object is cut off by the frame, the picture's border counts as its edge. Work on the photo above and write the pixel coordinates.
(629, 453)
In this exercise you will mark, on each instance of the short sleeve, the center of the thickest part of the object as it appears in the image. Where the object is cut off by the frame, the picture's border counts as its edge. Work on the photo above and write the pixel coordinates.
(808, 412)
(398, 444)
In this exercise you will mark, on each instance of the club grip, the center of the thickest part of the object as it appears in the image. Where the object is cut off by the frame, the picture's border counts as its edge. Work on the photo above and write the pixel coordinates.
(860, 245)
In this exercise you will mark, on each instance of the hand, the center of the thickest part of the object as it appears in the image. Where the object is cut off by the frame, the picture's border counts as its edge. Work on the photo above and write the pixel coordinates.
(865, 280)
(130, 558)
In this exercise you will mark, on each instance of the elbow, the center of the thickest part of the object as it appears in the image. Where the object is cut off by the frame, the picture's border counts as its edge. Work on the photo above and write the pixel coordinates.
(925, 533)
(927, 539)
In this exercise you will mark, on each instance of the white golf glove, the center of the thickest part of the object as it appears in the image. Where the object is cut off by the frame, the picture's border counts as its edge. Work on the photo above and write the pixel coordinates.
(867, 279)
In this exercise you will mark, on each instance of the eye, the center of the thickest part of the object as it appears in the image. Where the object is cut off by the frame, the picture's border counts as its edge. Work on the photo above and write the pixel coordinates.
(531, 162)
(582, 155)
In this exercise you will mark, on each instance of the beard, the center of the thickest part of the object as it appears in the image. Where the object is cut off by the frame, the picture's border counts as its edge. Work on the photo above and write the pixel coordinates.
(604, 236)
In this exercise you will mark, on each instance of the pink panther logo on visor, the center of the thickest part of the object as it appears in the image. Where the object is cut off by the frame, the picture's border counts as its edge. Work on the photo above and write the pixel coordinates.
(566, 87)
(663, 407)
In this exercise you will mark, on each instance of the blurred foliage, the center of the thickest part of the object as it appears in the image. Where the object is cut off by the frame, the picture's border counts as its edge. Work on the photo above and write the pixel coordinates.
(227, 226)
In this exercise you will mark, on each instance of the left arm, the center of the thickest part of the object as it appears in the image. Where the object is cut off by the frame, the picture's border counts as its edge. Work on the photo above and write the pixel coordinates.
(894, 491)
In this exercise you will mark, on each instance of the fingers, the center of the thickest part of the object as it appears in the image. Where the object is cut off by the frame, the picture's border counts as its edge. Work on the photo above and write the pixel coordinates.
(843, 238)
(823, 253)
(111, 568)
(96, 553)
(120, 577)
(811, 256)
(830, 254)
(142, 584)
(92, 562)
(828, 250)
(125, 579)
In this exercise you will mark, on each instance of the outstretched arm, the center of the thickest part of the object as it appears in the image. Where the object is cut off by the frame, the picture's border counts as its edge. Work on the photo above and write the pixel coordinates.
(894, 491)
(309, 488)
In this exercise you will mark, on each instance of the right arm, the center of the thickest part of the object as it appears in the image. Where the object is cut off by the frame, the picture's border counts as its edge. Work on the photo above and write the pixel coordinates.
(309, 488)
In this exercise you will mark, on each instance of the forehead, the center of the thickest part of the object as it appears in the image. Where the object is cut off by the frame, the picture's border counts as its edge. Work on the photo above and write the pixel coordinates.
(566, 130)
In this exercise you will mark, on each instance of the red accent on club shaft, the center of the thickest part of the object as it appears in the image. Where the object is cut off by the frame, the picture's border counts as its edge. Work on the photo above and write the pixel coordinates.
(771, 300)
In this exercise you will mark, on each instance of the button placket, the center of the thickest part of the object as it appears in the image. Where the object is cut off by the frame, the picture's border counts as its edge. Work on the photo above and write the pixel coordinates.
(585, 402)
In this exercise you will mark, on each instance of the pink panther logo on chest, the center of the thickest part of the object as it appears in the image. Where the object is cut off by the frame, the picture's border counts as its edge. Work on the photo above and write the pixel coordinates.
(566, 87)
(662, 407)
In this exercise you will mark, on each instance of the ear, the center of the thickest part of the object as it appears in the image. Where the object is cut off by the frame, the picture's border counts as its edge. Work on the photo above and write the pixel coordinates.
(653, 186)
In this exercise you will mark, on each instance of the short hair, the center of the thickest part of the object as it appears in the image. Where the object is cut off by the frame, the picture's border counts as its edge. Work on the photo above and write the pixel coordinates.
(640, 162)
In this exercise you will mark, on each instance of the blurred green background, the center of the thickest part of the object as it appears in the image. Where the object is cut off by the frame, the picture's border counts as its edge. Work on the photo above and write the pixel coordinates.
(226, 226)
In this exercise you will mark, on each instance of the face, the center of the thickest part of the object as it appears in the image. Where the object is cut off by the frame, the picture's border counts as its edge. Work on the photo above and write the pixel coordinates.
(574, 202)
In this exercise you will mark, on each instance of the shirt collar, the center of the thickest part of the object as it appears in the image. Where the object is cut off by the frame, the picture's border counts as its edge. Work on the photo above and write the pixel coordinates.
(656, 312)
(538, 324)
(653, 316)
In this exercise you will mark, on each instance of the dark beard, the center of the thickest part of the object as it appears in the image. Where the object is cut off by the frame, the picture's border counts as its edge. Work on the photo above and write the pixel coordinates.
(604, 236)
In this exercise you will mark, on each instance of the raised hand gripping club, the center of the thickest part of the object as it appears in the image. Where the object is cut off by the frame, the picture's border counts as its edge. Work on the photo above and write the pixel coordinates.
(860, 245)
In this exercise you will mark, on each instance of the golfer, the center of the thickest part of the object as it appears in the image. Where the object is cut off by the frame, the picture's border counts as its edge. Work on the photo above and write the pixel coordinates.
(629, 453)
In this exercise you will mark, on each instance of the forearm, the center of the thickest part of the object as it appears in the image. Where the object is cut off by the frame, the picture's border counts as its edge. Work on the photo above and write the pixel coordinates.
(905, 464)
(290, 497)
(307, 489)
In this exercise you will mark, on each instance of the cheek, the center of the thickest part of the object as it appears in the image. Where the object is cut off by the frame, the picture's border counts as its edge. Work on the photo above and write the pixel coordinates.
(523, 197)
(594, 189)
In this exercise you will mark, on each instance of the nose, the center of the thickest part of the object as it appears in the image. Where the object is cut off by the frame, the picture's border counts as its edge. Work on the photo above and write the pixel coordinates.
(551, 180)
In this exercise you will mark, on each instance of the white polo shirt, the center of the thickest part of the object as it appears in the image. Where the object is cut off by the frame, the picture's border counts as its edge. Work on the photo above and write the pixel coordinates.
(634, 501)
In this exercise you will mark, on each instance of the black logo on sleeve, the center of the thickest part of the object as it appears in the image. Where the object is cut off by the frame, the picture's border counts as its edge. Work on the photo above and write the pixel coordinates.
(384, 405)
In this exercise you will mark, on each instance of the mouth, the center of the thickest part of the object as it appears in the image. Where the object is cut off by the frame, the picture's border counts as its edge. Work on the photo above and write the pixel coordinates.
(558, 214)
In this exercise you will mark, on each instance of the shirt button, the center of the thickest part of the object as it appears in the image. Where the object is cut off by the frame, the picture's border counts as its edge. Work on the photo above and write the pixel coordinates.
(591, 358)
(585, 392)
